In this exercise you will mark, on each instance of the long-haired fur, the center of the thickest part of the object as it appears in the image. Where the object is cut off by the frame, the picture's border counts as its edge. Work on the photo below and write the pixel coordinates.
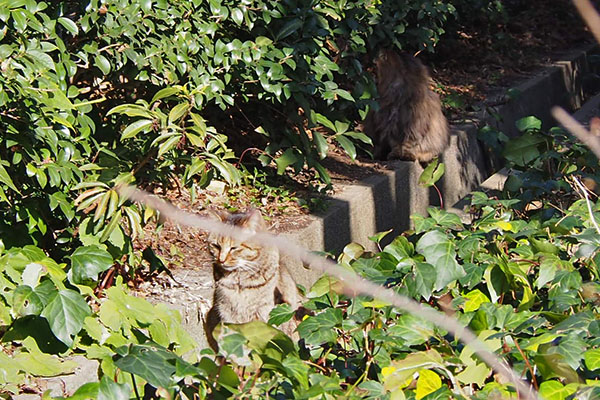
(409, 124)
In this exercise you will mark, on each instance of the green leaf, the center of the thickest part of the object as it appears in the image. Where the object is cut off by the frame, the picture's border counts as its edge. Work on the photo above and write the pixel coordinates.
(378, 237)
(166, 92)
(289, 28)
(523, 149)
(42, 59)
(475, 299)
(26, 302)
(289, 157)
(69, 25)
(432, 173)
(319, 328)
(131, 110)
(280, 314)
(65, 314)
(5, 178)
(134, 128)
(87, 262)
(178, 111)
(321, 144)
(262, 41)
(592, 359)
(554, 390)
(102, 63)
(428, 382)
(474, 373)
(153, 363)
(322, 286)
(347, 145)
(440, 252)
(425, 277)
(111, 390)
(528, 123)
(237, 15)
(86, 391)
(36, 363)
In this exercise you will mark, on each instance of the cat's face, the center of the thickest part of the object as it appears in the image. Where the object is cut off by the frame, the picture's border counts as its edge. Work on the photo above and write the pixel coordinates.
(230, 254)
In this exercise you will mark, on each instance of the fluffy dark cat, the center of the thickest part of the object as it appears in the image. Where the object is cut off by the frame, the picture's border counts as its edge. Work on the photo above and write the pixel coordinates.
(249, 280)
(409, 124)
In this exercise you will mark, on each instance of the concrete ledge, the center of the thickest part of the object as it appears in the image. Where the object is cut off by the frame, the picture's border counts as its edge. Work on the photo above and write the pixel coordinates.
(386, 201)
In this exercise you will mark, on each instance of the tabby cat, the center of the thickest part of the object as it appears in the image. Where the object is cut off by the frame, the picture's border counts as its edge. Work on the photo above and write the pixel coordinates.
(409, 124)
(249, 281)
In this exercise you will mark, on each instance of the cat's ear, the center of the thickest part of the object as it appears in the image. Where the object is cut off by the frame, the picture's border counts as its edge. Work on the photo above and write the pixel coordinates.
(254, 220)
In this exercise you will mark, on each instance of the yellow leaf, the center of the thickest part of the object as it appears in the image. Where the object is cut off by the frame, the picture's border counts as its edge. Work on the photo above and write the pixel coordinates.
(505, 226)
(428, 382)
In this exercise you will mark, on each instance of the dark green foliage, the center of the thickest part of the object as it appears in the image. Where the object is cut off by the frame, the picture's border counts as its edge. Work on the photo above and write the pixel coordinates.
(94, 94)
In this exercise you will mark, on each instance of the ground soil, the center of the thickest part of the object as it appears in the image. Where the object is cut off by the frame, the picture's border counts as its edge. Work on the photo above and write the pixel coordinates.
(472, 60)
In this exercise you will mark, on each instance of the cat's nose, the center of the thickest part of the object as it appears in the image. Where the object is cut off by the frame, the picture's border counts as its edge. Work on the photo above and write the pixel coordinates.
(222, 257)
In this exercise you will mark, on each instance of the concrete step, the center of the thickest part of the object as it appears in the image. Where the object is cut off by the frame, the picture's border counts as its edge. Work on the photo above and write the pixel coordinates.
(386, 201)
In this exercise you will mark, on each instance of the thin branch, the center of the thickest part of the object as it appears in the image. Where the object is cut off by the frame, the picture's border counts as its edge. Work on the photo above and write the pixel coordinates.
(587, 202)
(353, 284)
(578, 130)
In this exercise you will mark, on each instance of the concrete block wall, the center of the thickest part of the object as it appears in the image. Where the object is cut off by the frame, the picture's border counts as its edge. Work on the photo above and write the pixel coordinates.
(387, 200)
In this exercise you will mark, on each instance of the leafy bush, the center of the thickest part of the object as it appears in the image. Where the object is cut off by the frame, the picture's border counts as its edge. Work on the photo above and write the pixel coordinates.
(94, 94)
(525, 280)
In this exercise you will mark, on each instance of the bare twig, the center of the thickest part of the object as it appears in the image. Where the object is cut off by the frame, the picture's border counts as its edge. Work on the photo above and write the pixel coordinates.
(353, 284)
(578, 130)
(587, 202)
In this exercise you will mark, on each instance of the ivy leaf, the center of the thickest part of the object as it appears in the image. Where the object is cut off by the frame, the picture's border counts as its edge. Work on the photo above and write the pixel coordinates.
(86, 391)
(111, 390)
(554, 390)
(280, 314)
(523, 149)
(428, 382)
(475, 299)
(528, 123)
(41, 364)
(439, 251)
(425, 277)
(153, 363)
(26, 302)
(592, 359)
(319, 328)
(474, 373)
(87, 262)
(65, 314)
(432, 173)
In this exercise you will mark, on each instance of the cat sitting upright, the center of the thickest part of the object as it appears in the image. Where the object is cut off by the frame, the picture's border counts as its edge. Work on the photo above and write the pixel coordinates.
(249, 280)
(409, 124)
